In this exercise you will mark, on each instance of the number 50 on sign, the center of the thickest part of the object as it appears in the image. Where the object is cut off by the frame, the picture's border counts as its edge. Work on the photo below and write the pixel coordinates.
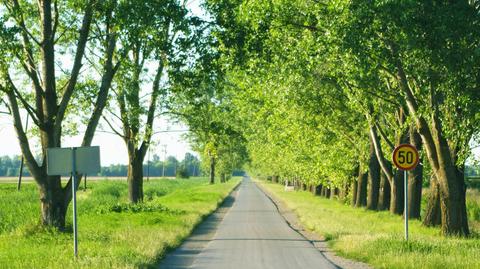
(405, 157)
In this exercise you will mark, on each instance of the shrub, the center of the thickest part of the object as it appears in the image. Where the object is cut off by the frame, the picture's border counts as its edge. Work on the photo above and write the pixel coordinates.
(182, 172)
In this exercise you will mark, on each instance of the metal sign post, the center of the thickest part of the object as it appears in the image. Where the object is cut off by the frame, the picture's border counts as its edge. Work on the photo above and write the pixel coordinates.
(73, 161)
(405, 186)
(74, 198)
(405, 157)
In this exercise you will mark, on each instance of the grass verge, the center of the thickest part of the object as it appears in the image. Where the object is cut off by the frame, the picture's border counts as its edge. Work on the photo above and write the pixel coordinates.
(377, 238)
(112, 233)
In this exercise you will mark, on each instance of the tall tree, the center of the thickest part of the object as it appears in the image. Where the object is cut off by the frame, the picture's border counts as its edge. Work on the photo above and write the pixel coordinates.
(428, 56)
(36, 35)
(155, 34)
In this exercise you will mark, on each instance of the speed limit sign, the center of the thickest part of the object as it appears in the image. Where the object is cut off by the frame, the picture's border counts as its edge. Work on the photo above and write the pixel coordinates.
(405, 157)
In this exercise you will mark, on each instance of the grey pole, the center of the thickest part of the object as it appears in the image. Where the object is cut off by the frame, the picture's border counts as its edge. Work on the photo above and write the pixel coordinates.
(74, 198)
(405, 184)
(164, 159)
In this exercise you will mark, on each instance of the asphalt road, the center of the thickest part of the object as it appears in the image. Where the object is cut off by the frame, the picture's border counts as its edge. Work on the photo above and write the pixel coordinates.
(247, 232)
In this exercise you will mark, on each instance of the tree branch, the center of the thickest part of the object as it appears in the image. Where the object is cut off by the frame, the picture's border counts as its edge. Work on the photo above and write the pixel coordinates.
(82, 41)
(379, 153)
(152, 108)
(115, 131)
(30, 110)
(384, 136)
(22, 137)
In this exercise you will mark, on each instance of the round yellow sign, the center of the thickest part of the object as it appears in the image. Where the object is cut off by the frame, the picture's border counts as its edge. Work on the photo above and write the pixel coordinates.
(405, 157)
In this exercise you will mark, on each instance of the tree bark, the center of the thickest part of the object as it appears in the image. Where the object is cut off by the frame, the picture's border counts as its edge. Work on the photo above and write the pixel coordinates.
(328, 192)
(373, 179)
(135, 179)
(354, 193)
(384, 199)
(53, 205)
(432, 212)
(396, 193)
(212, 170)
(361, 189)
(393, 179)
(318, 189)
(334, 193)
(344, 191)
(415, 180)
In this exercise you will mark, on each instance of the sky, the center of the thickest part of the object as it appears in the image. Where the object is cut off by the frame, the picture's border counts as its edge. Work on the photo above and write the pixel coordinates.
(112, 147)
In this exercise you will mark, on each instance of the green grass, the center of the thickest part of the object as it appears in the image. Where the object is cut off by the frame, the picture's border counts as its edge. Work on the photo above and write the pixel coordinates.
(377, 238)
(112, 233)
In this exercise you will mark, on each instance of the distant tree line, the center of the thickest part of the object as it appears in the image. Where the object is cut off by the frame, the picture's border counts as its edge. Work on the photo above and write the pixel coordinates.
(189, 166)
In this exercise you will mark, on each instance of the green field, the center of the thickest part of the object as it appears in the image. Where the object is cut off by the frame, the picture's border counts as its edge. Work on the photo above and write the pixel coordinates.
(112, 233)
(377, 237)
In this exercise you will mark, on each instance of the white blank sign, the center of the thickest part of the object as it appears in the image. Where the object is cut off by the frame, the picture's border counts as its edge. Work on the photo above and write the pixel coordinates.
(87, 160)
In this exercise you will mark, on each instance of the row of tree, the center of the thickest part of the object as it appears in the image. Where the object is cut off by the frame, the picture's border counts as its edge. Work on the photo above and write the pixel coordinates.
(171, 167)
(71, 65)
(189, 166)
(321, 92)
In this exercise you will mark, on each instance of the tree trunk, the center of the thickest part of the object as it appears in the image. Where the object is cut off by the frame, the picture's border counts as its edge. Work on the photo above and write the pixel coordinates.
(452, 201)
(441, 157)
(53, 205)
(318, 189)
(328, 192)
(432, 213)
(415, 180)
(354, 193)
(135, 179)
(222, 178)
(396, 194)
(386, 166)
(384, 199)
(334, 193)
(362, 189)
(344, 192)
(212, 170)
(373, 179)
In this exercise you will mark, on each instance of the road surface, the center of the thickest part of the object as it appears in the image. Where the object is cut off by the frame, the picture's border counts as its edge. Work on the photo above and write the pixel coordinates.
(252, 234)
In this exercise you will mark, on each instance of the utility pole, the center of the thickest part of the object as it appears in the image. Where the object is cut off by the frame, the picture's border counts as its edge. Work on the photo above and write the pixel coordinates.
(175, 171)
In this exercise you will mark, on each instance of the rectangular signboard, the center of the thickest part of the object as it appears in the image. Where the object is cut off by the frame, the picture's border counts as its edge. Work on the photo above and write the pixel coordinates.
(59, 161)
(87, 160)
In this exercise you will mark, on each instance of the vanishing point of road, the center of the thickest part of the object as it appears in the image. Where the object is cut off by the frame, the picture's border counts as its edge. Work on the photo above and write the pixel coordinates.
(247, 232)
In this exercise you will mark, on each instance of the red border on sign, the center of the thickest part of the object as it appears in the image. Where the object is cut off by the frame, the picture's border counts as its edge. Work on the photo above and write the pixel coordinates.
(395, 161)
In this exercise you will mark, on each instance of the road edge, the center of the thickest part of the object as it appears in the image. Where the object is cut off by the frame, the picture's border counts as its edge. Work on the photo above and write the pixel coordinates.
(316, 240)
(168, 260)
